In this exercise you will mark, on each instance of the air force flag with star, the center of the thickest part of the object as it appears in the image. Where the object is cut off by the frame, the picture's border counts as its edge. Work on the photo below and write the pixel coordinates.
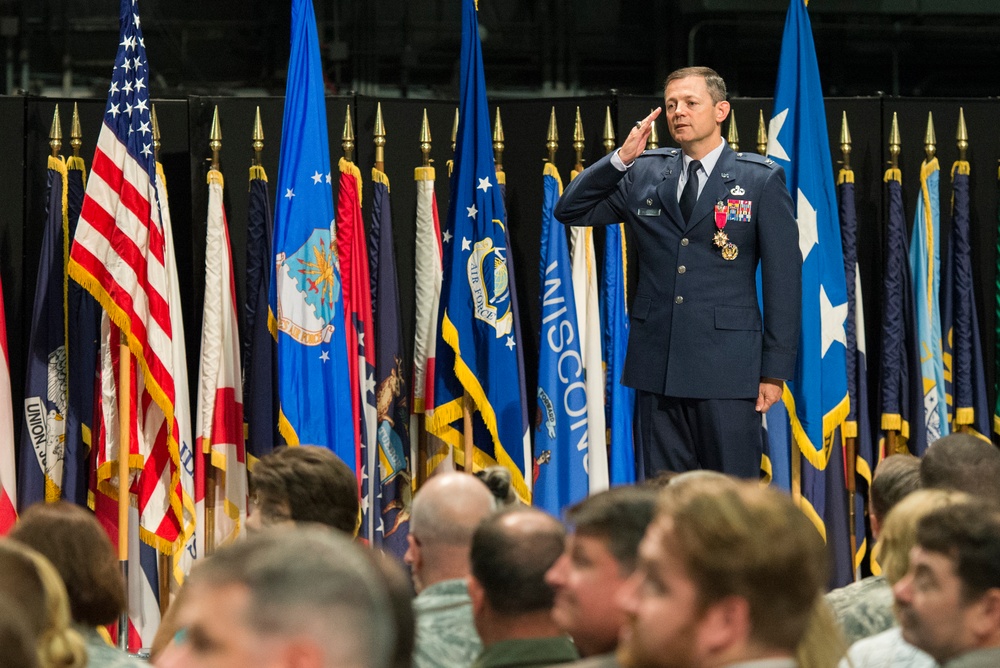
(798, 141)
(476, 349)
(306, 302)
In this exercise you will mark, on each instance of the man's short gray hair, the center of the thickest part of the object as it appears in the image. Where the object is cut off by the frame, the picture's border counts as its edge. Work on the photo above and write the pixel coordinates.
(714, 82)
(309, 581)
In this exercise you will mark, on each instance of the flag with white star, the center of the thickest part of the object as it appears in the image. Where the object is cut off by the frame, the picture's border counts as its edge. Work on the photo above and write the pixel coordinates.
(816, 397)
(476, 349)
(306, 302)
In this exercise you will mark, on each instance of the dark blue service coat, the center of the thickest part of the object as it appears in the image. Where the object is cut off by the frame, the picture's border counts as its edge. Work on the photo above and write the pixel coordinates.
(696, 329)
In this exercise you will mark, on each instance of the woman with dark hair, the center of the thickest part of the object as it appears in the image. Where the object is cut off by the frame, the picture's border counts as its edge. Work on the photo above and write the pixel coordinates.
(74, 541)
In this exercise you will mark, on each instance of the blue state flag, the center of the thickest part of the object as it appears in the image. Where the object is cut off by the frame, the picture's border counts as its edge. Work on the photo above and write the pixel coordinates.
(561, 435)
(43, 425)
(817, 395)
(620, 400)
(964, 373)
(306, 298)
(925, 267)
(476, 350)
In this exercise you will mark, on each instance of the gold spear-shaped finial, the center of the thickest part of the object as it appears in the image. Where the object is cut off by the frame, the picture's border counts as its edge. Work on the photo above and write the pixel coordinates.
(609, 131)
(347, 138)
(930, 139)
(454, 131)
(895, 143)
(845, 140)
(962, 136)
(258, 138)
(552, 138)
(55, 134)
(425, 140)
(156, 133)
(578, 141)
(654, 137)
(215, 138)
(734, 134)
(761, 134)
(498, 142)
(379, 139)
(76, 132)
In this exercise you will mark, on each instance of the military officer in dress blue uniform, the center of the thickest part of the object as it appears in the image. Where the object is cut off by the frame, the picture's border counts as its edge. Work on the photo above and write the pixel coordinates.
(705, 363)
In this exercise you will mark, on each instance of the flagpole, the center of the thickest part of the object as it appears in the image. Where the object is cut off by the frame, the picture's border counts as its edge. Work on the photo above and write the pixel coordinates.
(851, 442)
(211, 475)
(467, 430)
(895, 145)
(420, 470)
(124, 434)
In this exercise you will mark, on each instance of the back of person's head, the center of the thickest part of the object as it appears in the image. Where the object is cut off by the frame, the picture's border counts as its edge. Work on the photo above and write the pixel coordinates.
(17, 642)
(511, 551)
(447, 509)
(305, 484)
(899, 534)
(309, 583)
(965, 463)
(29, 579)
(737, 539)
(400, 594)
(500, 483)
(895, 477)
(619, 517)
(72, 539)
(968, 533)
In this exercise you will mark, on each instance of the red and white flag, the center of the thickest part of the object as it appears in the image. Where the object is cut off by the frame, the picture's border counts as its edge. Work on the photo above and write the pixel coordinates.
(219, 418)
(8, 478)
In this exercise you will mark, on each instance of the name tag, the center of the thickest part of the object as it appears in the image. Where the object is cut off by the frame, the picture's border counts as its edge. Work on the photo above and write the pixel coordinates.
(649, 212)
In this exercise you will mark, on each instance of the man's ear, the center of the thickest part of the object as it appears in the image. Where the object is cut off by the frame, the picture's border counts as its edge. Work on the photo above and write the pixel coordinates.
(724, 624)
(986, 623)
(721, 111)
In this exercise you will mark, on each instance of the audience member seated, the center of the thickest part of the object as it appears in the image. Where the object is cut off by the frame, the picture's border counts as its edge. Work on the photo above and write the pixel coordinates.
(498, 479)
(29, 579)
(898, 537)
(864, 608)
(400, 592)
(511, 604)
(949, 600)
(600, 555)
(303, 484)
(729, 573)
(72, 539)
(16, 639)
(446, 511)
(965, 463)
(295, 597)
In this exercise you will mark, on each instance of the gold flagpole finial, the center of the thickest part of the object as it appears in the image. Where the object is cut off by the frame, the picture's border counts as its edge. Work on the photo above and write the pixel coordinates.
(454, 131)
(845, 140)
(425, 140)
(76, 132)
(215, 138)
(895, 143)
(654, 137)
(498, 142)
(761, 133)
(930, 139)
(552, 138)
(578, 141)
(379, 139)
(609, 132)
(55, 133)
(347, 137)
(734, 133)
(156, 133)
(258, 138)
(962, 136)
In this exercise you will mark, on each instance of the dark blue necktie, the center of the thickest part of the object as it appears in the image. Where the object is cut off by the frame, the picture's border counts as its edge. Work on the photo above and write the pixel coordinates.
(690, 193)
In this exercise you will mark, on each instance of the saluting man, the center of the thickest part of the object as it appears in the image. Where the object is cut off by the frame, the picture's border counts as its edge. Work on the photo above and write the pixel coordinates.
(704, 362)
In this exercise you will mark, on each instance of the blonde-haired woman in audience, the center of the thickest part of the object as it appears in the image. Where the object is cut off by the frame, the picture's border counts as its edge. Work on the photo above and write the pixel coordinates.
(28, 578)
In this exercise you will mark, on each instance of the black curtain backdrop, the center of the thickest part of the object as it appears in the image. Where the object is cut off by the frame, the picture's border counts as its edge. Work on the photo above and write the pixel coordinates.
(185, 125)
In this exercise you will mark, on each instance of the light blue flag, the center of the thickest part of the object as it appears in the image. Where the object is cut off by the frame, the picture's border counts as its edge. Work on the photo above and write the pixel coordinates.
(816, 397)
(561, 435)
(305, 293)
(476, 350)
(620, 402)
(925, 268)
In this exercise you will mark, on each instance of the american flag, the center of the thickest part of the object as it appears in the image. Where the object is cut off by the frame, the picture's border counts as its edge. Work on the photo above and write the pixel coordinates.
(118, 256)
